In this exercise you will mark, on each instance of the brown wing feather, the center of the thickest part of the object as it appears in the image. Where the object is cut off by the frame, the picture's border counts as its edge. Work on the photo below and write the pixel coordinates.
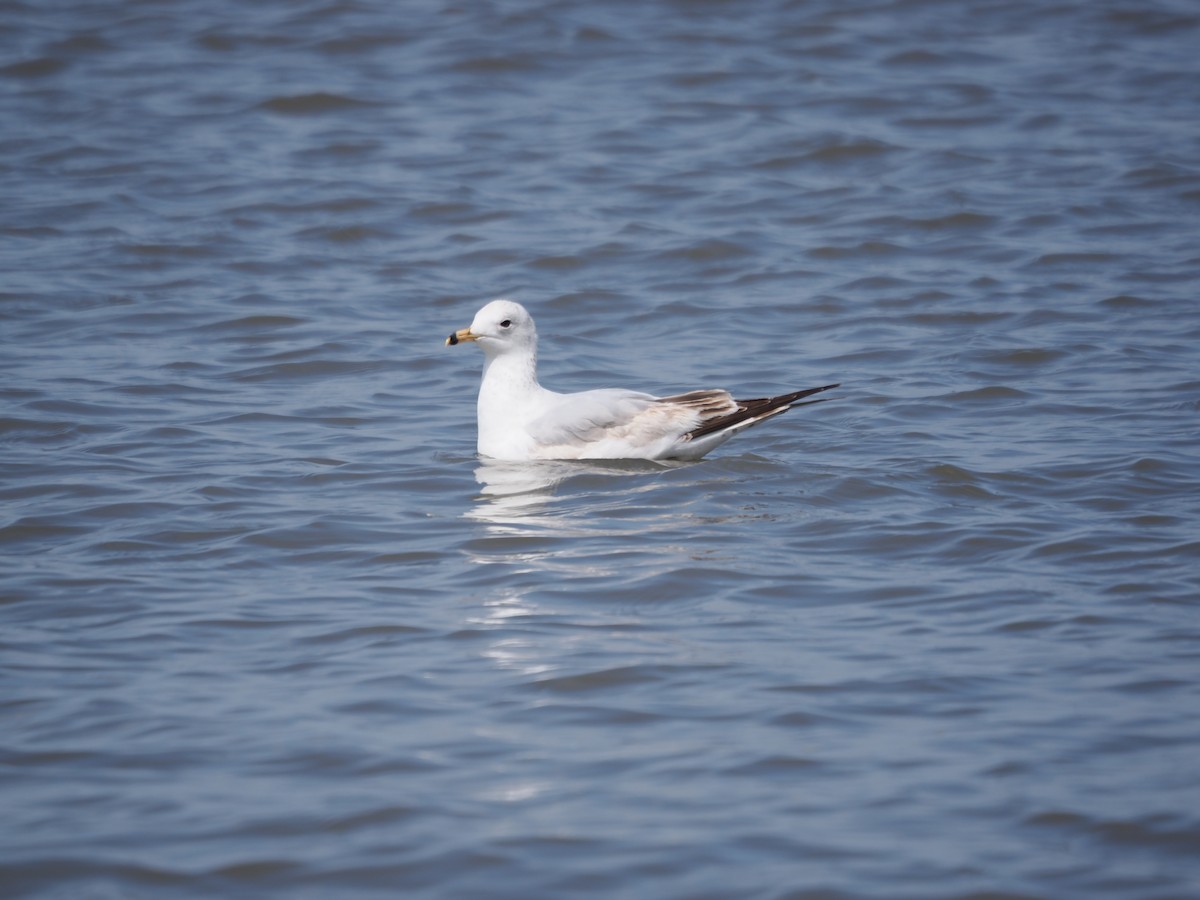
(705, 404)
(723, 417)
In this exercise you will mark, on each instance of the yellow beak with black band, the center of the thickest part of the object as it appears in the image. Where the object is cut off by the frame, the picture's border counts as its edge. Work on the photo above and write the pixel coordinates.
(463, 334)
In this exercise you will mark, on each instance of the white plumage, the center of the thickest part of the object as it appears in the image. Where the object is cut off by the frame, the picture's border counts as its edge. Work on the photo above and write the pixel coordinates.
(521, 420)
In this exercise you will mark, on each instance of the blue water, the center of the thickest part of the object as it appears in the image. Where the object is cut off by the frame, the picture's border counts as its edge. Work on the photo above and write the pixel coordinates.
(269, 628)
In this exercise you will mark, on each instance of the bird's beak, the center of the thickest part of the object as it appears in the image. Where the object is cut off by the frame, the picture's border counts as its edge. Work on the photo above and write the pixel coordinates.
(463, 334)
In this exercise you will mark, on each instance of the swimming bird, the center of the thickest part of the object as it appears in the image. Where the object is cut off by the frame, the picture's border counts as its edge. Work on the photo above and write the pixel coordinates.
(521, 420)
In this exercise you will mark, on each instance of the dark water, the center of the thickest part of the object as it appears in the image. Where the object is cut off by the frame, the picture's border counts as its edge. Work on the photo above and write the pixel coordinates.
(269, 628)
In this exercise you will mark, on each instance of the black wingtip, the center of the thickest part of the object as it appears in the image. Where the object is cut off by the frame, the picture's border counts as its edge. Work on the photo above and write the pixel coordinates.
(760, 408)
(800, 395)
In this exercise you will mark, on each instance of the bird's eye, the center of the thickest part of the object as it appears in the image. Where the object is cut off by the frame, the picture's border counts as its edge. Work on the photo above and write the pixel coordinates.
(506, 323)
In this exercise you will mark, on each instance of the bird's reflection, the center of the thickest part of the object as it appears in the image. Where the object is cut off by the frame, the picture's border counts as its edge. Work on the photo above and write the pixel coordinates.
(523, 493)
(548, 525)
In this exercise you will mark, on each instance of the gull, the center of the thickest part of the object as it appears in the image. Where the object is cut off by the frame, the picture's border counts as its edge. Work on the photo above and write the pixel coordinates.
(520, 420)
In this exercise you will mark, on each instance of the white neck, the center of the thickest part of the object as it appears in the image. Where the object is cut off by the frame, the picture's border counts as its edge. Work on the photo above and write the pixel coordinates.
(507, 395)
(515, 371)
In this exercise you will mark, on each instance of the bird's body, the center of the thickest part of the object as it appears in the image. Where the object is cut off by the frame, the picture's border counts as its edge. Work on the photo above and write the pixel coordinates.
(521, 420)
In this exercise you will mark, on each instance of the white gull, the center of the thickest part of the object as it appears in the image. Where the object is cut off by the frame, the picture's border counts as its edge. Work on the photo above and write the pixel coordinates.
(521, 420)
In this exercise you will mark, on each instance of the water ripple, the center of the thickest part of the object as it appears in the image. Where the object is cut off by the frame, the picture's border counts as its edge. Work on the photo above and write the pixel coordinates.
(270, 628)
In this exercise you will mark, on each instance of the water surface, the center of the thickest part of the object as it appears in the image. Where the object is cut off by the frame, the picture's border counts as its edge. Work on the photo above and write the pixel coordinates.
(269, 627)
